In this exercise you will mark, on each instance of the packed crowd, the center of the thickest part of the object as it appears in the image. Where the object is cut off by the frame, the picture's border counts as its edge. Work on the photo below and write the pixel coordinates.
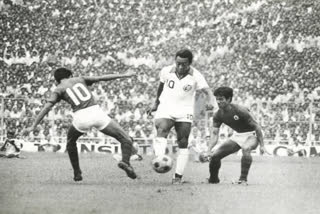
(267, 51)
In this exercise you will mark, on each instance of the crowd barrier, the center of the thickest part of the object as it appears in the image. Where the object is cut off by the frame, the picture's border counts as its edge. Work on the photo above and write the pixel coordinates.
(113, 147)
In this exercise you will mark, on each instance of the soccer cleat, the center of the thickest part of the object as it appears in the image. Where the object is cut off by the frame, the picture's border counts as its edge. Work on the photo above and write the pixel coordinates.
(240, 182)
(213, 181)
(140, 158)
(128, 169)
(177, 181)
(77, 176)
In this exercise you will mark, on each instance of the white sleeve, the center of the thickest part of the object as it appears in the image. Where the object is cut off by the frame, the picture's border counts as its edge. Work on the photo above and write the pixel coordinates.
(201, 81)
(163, 75)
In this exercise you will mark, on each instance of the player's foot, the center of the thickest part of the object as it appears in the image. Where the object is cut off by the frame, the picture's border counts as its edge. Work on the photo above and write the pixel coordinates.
(77, 176)
(128, 169)
(213, 181)
(177, 181)
(240, 182)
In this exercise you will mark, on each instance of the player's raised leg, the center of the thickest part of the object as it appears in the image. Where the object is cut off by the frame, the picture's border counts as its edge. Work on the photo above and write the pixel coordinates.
(246, 160)
(163, 126)
(72, 137)
(113, 129)
(183, 131)
(219, 153)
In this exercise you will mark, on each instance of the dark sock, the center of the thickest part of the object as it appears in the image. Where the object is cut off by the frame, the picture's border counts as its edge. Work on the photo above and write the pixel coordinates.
(245, 166)
(214, 167)
(126, 149)
(74, 158)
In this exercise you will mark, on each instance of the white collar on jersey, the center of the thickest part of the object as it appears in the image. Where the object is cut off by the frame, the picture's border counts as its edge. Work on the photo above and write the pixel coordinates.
(173, 70)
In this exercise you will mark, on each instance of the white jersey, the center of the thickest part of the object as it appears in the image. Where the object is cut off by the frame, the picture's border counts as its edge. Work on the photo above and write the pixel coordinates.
(179, 94)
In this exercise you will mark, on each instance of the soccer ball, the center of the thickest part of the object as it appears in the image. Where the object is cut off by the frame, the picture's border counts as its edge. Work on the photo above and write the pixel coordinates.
(162, 164)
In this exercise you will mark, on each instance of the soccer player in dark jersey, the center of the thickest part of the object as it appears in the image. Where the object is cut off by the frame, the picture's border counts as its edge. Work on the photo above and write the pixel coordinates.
(247, 135)
(87, 114)
(11, 146)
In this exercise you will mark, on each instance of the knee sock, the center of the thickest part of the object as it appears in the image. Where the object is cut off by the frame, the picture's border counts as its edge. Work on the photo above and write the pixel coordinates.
(214, 168)
(126, 150)
(245, 166)
(182, 161)
(159, 146)
(73, 156)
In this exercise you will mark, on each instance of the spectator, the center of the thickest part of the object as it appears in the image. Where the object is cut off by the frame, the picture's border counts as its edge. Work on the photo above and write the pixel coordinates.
(269, 56)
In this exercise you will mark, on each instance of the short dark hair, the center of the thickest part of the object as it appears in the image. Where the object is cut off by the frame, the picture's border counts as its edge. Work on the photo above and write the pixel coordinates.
(226, 92)
(185, 53)
(61, 73)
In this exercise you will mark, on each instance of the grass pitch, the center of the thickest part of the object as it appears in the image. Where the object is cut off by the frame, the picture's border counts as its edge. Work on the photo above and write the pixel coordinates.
(42, 183)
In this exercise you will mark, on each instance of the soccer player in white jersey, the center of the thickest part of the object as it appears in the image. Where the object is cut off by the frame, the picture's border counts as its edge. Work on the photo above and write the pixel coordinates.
(174, 106)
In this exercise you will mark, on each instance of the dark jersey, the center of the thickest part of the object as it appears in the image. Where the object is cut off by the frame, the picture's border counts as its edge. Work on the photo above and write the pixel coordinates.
(237, 117)
(74, 91)
(11, 147)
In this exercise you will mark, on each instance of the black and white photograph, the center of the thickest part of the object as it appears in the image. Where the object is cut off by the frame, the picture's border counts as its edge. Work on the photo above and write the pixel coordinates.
(159, 106)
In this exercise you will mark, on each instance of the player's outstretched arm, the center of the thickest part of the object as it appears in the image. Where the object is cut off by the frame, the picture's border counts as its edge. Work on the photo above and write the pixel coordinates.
(260, 140)
(210, 97)
(47, 107)
(215, 133)
(259, 137)
(214, 139)
(157, 101)
(108, 77)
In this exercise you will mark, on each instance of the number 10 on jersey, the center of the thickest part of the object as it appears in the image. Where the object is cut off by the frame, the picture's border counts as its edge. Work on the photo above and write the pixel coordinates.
(78, 93)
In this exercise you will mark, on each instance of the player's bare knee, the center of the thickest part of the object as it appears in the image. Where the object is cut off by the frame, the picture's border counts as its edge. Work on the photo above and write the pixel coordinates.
(246, 151)
(161, 132)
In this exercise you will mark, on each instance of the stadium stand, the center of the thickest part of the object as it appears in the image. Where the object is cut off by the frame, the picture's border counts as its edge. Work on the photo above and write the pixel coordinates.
(267, 51)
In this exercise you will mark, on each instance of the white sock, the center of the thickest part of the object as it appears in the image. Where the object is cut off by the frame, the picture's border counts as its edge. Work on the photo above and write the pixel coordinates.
(182, 161)
(159, 146)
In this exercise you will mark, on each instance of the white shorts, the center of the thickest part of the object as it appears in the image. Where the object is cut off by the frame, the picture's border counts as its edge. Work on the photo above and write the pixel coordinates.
(91, 117)
(241, 138)
(178, 115)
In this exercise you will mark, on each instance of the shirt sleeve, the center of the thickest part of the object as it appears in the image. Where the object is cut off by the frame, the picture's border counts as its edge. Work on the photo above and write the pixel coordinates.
(245, 113)
(216, 120)
(201, 81)
(163, 75)
(54, 97)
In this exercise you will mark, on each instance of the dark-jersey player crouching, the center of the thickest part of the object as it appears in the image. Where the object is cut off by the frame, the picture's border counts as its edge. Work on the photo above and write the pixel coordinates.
(247, 135)
(11, 146)
(87, 115)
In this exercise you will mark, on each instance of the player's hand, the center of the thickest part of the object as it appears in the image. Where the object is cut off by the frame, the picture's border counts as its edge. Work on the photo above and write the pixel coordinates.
(209, 107)
(263, 150)
(154, 108)
(27, 131)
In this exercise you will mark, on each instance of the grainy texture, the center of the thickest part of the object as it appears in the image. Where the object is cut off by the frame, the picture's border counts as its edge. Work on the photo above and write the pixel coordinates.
(42, 183)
